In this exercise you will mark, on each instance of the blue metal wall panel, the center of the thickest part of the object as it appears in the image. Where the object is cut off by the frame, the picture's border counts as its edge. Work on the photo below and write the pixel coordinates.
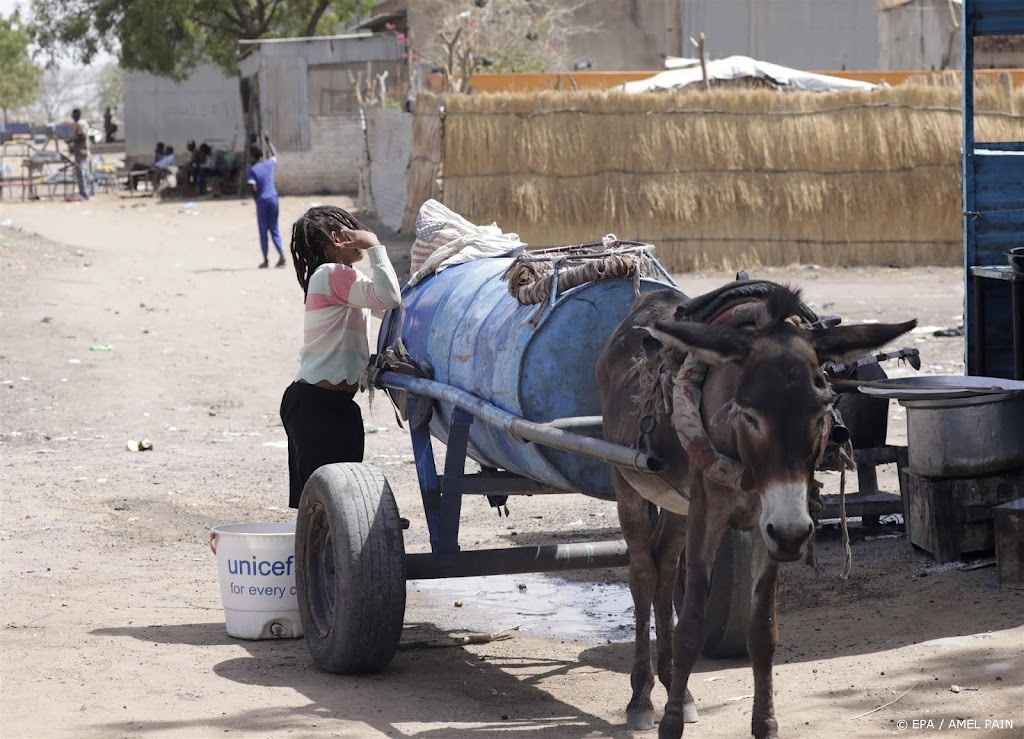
(996, 17)
(999, 184)
(993, 202)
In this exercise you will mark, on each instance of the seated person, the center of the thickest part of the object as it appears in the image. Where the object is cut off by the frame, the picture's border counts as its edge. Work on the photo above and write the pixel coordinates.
(141, 170)
(213, 164)
(158, 154)
(163, 167)
(190, 170)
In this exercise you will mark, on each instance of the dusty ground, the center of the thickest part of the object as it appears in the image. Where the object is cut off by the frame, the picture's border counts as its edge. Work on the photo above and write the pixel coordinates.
(110, 618)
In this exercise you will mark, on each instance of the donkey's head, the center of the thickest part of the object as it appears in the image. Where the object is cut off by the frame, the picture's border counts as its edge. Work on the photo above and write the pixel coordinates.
(780, 412)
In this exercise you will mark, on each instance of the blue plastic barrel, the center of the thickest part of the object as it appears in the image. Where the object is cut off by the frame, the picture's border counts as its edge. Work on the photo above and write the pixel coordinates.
(537, 362)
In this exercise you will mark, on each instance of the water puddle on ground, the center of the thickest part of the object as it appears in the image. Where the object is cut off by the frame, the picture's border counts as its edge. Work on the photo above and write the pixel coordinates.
(544, 606)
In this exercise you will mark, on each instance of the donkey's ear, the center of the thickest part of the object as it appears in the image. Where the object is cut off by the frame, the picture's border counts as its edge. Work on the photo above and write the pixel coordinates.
(842, 343)
(711, 344)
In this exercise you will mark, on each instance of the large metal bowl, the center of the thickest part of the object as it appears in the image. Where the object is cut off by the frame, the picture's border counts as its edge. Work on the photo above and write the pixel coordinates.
(943, 387)
(961, 426)
(1015, 256)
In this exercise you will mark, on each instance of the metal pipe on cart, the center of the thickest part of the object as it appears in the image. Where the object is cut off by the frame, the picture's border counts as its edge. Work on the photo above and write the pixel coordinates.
(517, 560)
(523, 430)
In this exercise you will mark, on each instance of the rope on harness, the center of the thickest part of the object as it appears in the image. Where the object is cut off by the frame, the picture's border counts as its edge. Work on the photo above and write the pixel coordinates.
(845, 454)
(394, 358)
(690, 428)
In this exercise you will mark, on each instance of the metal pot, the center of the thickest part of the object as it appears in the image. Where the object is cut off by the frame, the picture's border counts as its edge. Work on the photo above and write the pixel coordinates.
(961, 426)
(965, 437)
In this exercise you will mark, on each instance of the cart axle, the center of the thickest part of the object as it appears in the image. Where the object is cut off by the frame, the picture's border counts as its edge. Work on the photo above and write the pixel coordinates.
(517, 560)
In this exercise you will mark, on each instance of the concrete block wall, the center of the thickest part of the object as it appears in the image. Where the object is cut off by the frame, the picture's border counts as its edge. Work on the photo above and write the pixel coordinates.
(332, 163)
(389, 135)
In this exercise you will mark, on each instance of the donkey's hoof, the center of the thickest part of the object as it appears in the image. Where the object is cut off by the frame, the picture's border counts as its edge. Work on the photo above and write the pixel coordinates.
(639, 719)
(689, 708)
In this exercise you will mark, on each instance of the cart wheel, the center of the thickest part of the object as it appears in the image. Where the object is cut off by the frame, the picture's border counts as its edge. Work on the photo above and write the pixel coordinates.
(350, 569)
(727, 613)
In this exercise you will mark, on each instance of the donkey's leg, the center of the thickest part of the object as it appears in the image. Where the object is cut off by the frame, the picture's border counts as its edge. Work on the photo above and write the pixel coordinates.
(637, 529)
(669, 540)
(705, 529)
(763, 638)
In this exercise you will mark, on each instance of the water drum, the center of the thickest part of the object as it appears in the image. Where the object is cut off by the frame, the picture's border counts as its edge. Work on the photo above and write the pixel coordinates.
(256, 568)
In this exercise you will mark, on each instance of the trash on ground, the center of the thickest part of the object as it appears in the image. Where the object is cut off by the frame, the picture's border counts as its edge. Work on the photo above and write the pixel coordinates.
(101, 348)
(978, 565)
(144, 445)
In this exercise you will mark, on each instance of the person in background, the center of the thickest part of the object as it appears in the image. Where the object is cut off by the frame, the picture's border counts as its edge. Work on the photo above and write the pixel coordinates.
(79, 144)
(158, 154)
(162, 167)
(209, 166)
(190, 171)
(261, 183)
(109, 127)
(320, 415)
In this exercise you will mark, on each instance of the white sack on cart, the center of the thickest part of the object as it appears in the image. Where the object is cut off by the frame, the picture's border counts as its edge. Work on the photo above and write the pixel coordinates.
(444, 238)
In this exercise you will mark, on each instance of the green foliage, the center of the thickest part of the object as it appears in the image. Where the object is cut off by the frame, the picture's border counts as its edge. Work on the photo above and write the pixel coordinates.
(19, 80)
(170, 37)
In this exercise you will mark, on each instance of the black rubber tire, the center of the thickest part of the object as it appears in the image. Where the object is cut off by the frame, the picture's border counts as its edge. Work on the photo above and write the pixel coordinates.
(350, 569)
(727, 613)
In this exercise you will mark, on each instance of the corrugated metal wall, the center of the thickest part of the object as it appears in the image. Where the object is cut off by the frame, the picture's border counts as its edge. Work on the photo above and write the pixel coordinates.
(918, 35)
(805, 34)
(300, 78)
(284, 97)
(307, 103)
(206, 106)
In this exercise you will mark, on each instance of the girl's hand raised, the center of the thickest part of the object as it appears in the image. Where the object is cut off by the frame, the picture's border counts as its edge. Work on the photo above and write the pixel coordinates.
(357, 239)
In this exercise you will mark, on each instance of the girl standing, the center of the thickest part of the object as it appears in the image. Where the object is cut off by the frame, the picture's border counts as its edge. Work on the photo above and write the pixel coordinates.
(320, 415)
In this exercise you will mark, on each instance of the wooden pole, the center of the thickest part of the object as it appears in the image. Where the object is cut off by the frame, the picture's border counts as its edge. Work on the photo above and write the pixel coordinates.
(703, 61)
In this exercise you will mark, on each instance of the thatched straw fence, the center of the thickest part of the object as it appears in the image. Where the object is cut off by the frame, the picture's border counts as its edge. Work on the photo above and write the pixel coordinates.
(720, 178)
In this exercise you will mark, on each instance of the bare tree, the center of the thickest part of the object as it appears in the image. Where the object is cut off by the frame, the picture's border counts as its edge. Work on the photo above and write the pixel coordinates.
(60, 90)
(499, 36)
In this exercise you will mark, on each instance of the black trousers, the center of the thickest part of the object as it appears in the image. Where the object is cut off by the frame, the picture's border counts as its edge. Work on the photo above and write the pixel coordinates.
(323, 427)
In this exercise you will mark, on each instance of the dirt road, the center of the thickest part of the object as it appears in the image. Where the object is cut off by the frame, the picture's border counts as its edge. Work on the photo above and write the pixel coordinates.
(129, 319)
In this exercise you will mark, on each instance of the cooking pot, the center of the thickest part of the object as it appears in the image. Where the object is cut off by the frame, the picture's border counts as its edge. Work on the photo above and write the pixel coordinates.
(960, 426)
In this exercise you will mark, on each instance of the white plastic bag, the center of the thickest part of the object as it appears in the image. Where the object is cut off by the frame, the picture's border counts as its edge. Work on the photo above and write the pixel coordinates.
(444, 238)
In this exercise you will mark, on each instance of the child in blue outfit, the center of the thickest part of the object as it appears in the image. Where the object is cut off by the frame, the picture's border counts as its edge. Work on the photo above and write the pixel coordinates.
(261, 180)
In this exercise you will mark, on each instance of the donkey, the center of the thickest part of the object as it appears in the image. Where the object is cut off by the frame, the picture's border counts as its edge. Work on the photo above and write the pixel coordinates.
(765, 407)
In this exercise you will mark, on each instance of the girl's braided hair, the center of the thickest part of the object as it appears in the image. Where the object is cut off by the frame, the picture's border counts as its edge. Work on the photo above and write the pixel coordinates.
(311, 233)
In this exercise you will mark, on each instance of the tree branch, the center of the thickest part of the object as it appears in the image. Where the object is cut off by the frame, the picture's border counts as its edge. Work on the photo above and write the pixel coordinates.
(245, 24)
(314, 20)
(265, 26)
(233, 20)
(213, 26)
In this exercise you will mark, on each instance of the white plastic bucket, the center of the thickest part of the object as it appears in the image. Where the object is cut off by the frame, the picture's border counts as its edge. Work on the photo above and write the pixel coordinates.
(256, 568)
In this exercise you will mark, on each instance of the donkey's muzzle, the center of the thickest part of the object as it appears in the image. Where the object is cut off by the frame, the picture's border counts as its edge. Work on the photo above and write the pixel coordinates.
(786, 544)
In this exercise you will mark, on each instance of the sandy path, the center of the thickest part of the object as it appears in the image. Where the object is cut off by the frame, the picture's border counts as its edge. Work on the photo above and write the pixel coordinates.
(109, 604)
